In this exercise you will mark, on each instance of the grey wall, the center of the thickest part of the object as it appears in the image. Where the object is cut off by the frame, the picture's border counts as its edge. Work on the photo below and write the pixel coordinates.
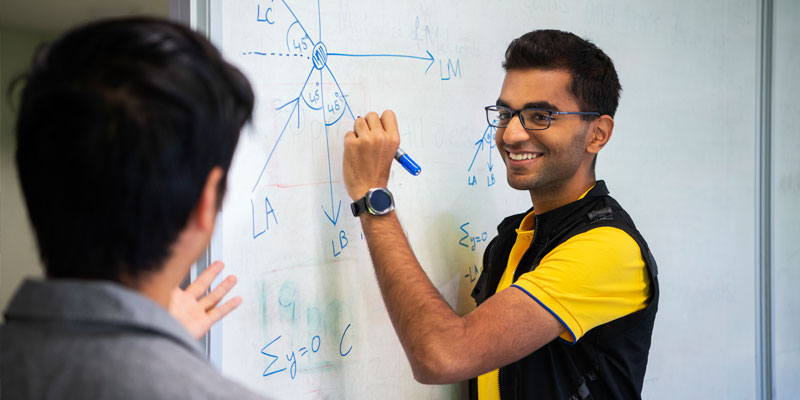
(786, 198)
(18, 256)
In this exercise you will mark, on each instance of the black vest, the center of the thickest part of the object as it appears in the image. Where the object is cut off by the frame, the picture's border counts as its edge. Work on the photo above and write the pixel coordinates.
(609, 361)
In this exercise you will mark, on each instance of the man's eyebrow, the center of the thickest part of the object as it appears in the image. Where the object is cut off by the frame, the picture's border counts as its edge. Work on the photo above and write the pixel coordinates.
(534, 104)
(542, 104)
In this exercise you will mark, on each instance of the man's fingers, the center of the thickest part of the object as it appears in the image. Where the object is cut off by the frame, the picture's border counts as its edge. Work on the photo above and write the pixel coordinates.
(203, 281)
(360, 126)
(373, 121)
(218, 293)
(389, 121)
(223, 310)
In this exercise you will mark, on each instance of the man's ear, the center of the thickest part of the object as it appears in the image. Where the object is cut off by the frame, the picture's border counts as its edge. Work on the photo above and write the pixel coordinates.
(205, 212)
(600, 133)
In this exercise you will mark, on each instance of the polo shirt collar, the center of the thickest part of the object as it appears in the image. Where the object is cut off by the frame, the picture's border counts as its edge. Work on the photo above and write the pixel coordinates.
(552, 218)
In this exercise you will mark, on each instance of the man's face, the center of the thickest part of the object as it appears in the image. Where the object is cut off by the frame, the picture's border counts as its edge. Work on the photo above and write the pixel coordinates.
(541, 159)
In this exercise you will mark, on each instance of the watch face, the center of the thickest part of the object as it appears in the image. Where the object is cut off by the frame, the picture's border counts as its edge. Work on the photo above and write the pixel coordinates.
(380, 201)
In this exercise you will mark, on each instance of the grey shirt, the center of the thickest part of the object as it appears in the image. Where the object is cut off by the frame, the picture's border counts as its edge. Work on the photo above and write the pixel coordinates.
(70, 339)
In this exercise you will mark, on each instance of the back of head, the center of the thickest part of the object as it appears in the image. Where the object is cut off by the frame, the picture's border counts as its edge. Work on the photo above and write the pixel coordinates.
(594, 85)
(120, 123)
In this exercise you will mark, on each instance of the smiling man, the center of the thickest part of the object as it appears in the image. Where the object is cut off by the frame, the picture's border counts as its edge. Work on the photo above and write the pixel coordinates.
(568, 295)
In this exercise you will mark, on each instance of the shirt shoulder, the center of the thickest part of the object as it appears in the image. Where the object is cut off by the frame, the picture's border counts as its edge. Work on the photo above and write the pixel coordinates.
(34, 363)
(592, 278)
(165, 370)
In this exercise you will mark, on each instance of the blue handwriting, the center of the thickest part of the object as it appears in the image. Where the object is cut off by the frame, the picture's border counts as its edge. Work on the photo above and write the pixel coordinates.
(470, 241)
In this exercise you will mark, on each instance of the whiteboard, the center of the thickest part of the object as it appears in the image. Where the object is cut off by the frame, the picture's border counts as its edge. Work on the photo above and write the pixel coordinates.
(313, 324)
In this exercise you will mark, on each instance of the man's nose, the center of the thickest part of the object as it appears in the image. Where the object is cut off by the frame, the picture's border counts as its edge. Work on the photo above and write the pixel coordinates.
(515, 132)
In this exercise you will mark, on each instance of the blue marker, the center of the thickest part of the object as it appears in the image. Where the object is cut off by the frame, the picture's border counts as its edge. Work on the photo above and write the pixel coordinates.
(412, 167)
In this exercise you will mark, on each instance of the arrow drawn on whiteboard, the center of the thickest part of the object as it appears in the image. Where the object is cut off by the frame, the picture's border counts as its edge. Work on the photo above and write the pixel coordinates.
(296, 102)
(491, 146)
(298, 21)
(486, 138)
(333, 217)
(428, 58)
(479, 145)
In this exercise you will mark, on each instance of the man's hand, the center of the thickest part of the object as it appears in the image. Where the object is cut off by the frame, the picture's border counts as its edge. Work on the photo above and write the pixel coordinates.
(197, 314)
(368, 153)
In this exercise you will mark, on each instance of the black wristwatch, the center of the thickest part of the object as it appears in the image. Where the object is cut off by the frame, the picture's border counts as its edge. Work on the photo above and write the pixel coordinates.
(378, 201)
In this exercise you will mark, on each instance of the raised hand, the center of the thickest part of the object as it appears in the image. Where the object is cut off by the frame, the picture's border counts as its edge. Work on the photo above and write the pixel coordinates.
(198, 311)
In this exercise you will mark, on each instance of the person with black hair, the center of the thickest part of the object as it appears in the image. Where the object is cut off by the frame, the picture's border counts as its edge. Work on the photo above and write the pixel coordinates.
(568, 295)
(125, 134)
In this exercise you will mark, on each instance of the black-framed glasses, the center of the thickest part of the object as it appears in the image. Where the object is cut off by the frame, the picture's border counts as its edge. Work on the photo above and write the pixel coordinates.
(535, 119)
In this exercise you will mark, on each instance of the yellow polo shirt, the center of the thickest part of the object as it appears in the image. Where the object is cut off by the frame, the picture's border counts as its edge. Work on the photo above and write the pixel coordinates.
(590, 279)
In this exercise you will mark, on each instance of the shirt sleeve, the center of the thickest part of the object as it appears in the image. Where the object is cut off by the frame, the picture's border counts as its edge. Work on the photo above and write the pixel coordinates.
(590, 279)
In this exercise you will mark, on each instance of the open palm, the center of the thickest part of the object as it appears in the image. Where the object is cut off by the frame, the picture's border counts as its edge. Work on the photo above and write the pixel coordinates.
(198, 311)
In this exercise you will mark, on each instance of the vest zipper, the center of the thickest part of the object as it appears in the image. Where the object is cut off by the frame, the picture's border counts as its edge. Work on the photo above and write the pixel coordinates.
(499, 392)
(499, 396)
(535, 229)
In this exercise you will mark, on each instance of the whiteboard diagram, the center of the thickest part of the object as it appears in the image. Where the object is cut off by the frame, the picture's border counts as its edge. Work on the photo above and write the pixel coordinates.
(331, 104)
(484, 146)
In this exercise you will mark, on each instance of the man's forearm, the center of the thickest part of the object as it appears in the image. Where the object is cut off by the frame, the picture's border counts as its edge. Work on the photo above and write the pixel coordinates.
(425, 324)
(441, 346)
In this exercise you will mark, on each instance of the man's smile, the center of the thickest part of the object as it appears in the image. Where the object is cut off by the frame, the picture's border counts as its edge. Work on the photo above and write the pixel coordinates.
(523, 156)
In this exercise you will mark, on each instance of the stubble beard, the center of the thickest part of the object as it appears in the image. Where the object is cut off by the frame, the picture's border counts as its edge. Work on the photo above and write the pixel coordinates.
(557, 167)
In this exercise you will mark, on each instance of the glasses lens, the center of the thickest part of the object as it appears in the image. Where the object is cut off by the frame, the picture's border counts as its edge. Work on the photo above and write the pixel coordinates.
(536, 118)
(498, 116)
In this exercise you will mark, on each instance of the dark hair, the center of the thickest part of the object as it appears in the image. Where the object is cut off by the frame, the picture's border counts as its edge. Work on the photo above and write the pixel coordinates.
(120, 123)
(594, 85)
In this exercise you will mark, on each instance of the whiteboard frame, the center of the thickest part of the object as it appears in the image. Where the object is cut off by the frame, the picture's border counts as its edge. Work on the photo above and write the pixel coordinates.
(765, 349)
(205, 17)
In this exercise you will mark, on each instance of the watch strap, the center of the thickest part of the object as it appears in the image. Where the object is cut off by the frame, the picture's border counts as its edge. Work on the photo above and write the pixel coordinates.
(359, 206)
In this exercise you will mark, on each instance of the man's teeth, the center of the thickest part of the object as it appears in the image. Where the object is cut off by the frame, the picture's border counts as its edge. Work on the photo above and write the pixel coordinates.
(526, 156)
